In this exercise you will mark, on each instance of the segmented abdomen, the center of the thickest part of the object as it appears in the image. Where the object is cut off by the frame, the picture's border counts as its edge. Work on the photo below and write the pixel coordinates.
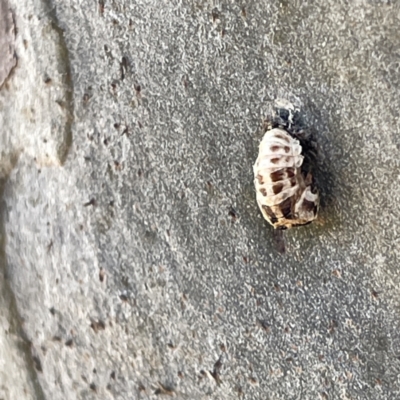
(283, 195)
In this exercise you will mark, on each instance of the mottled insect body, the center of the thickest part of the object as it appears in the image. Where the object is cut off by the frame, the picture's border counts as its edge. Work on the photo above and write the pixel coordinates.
(285, 193)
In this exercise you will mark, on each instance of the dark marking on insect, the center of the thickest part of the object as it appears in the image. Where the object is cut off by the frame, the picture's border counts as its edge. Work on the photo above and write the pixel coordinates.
(274, 160)
(286, 207)
(260, 179)
(308, 205)
(277, 188)
(263, 192)
(282, 136)
(287, 149)
(270, 214)
(290, 172)
(276, 175)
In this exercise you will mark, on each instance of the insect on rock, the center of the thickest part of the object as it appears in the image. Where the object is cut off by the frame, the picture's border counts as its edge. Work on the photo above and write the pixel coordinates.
(286, 191)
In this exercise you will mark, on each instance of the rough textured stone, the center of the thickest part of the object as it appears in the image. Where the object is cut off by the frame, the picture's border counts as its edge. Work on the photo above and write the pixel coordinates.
(137, 259)
(8, 59)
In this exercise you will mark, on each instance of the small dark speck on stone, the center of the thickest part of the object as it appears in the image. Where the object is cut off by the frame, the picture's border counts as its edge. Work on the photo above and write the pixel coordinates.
(97, 325)
(165, 390)
(123, 297)
(141, 387)
(38, 363)
(233, 214)
(69, 343)
(102, 275)
(91, 202)
(93, 387)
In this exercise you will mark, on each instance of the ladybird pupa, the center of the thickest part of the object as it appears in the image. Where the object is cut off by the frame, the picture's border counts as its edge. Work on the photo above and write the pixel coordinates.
(286, 195)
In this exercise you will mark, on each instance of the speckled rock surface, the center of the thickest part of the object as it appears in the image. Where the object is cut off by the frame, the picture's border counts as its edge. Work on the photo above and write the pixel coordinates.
(8, 59)
(135, 262)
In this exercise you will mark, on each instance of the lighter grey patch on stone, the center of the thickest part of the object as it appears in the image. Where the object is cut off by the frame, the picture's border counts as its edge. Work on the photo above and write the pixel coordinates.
(37, 108)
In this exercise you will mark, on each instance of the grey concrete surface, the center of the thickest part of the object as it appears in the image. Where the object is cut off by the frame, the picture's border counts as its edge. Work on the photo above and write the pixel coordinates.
(135, 262)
